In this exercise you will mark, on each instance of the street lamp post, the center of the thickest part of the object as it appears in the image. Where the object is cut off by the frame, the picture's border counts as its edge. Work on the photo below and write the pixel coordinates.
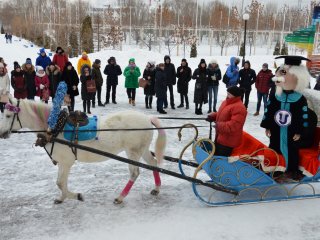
(245, 17)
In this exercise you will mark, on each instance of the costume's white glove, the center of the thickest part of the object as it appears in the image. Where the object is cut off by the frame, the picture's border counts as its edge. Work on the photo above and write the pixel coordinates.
(213, 77)
(41, 86)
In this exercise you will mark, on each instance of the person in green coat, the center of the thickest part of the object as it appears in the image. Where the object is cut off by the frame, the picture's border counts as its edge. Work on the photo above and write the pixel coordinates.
(132, 73)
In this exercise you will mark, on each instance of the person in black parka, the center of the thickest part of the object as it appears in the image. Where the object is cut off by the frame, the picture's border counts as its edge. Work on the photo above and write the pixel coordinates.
(54, 75)
(201, 75)
(112, 70)
(70, 76)
(85, 95)
(97, 76)
(160, 88)
(247, 77)
(29, 75)
(170, 71)
(184, 76)
(149, 74)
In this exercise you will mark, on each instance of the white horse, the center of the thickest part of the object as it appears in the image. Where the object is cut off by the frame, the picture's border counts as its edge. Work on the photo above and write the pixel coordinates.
(33, 115)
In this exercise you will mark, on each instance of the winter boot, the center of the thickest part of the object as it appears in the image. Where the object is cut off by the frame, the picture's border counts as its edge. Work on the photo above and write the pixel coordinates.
(209, 111)
(100, 104)
(146, 101)
(130, 101)
(180, 106)
(187, 102)
(93, 104)
(256, 114)
(88, 106)
(150, 102)
(133, 102)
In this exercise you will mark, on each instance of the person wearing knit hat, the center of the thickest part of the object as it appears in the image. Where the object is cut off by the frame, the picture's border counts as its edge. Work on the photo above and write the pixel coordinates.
(132, 73)
(184, 76)
(229, 121)
(201, 75)
(60, 58)
(113, 71)
(70, 76)
(29, 75)
(247, 77)
(18, 82)
(213, 84)
(42, 84)
(149, 75)
(97, 76)
(43, 60)
(4, 86)
(263, 86)
(84, 60)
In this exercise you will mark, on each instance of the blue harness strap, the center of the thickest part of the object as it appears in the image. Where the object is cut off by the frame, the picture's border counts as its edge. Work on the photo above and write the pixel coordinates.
(85, 133)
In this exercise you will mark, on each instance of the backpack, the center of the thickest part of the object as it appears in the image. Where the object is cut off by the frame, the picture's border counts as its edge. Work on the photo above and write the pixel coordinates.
(225, 79)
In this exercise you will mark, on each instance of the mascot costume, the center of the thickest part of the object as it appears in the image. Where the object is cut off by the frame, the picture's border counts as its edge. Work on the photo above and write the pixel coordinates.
(287, 119)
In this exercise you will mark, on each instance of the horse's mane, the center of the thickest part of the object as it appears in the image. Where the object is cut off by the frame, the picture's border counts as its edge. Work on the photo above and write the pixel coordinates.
(38, 111)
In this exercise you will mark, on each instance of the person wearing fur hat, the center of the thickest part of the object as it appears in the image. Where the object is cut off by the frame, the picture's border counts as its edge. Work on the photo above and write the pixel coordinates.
(97, 76)
(54, 74)
(213, 84)
(201, 75)
(42, 84)
(86, 96)
(70, 76)
(29, 76)
(170, 72)
(4, 86)
(18, 82)
(132, 73)
(43, 60)
(113, 71)
(84, 60)
(60, 58)
(286, 114)
(149, 74)
(229, 121)
(263, 86)
(247, 77)
(184, 74)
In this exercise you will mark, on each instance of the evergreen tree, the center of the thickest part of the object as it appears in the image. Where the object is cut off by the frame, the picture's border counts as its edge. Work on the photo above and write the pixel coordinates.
(242, 50)
(2, 30)
(87, 35)
(284, 50)
(277, 49)
(193, 52)
(74, 43)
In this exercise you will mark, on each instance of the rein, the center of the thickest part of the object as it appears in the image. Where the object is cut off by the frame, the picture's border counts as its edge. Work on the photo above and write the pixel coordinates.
(15, 110)
(109, 130)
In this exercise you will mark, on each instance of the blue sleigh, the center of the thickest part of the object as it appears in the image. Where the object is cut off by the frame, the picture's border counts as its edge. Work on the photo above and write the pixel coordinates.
(245, 177)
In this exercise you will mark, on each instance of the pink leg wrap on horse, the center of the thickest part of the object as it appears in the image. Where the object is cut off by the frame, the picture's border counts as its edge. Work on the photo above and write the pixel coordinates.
(127, 189)
(157, 179)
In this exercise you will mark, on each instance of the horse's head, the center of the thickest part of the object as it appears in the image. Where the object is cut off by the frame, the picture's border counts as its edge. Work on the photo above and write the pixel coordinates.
(8, 123)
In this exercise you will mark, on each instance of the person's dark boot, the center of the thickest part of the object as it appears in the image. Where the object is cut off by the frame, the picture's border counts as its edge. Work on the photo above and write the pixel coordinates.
(88, 107)
(146, 101)
(187, 102)
(100, 104)
(209, 111)
(180, 106)
(114, 101)
(93, 104)
(150, 102)
(107, 102)
(162, 111)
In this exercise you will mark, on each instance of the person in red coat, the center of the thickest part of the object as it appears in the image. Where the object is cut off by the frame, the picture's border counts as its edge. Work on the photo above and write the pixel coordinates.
(263, 86)
(18, 82)
(42, 84)
(229, 121)
(60, 58)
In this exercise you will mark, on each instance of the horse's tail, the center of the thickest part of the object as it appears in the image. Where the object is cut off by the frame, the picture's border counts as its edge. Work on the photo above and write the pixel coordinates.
(161, 140)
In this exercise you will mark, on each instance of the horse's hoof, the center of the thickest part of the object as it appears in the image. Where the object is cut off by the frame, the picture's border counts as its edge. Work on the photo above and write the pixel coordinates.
(57, 201)
(117, 201)
(80, 197)
(154, 192)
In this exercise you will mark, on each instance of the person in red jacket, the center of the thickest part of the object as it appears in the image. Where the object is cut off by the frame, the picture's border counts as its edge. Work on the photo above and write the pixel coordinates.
(60, 58)
(229, 121)
(42, 84)
(18, 82)
(263, 86)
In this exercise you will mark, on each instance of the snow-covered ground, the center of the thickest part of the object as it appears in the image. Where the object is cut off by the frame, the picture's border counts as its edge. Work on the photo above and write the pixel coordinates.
(27, 183)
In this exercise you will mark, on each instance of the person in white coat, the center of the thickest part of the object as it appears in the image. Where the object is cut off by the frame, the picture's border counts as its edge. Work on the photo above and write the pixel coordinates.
(4, 87)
